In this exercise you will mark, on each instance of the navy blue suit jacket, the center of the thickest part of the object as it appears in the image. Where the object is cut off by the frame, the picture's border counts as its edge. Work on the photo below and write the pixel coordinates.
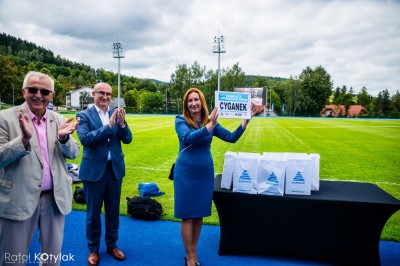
(97, 140)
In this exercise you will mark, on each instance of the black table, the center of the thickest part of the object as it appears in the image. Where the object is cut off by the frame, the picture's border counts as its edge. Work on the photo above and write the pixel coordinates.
(341, 223)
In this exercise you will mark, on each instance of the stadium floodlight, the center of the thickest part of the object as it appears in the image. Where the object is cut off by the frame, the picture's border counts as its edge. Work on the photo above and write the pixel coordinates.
(219, 47)
(118, 53)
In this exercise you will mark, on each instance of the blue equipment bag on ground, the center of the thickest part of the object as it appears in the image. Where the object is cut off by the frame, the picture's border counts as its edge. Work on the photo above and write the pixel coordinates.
(149, 190)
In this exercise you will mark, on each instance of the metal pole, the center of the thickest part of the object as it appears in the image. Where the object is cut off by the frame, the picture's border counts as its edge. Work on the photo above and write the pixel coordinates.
(117, 53)
(219, 72)
(166, 101)
(266, 100)
(119, 81)
(270, 101)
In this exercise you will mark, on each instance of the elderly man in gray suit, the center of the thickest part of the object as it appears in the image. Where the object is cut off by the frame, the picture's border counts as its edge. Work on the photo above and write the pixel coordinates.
(35, 189)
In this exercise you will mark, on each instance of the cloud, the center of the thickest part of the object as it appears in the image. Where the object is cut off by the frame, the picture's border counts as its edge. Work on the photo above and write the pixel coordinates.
(357, 42)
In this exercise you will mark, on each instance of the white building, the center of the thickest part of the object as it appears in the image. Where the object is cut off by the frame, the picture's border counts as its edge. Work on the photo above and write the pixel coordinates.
(73, 98)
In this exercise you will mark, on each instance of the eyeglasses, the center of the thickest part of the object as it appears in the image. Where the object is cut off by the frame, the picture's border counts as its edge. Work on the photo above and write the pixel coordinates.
(103, 93)
(34, 90)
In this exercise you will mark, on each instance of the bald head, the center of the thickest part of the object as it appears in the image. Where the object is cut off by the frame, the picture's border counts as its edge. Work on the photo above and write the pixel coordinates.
(102, 95)
(100, 86)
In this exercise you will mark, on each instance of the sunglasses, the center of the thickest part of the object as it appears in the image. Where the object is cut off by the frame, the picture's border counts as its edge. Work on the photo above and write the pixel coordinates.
(34, 90)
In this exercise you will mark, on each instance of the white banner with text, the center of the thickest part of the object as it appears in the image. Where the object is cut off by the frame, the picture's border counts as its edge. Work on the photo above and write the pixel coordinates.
(233, 104)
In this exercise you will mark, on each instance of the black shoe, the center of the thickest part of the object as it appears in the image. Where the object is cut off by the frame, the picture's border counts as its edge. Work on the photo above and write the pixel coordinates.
(197, 263)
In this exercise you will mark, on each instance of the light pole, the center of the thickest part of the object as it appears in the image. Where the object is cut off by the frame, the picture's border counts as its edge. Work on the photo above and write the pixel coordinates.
(166, 100)
(117, 53)
(270, 101)
(13, 92)
(219, 47)
(266, 100)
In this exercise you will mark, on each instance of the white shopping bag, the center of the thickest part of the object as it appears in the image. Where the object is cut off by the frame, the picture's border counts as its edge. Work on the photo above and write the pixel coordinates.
(245, 173)
(271, 175)
(227, 171)
(315, 159)
(298, 176)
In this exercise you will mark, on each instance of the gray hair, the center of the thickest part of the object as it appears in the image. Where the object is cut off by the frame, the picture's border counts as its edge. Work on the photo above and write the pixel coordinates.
(38, 75)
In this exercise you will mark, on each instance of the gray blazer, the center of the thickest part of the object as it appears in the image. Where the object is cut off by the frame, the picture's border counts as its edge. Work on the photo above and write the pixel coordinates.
(21, 170)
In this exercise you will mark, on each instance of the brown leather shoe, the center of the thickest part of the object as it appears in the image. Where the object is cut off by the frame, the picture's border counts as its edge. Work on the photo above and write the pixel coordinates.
(116, 253)
(93, 258)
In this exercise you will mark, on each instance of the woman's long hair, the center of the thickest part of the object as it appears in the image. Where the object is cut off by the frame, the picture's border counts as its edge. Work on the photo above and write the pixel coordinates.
(204, 109)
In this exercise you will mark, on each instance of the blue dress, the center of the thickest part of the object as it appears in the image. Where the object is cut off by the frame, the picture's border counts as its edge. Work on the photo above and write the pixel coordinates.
(194, 168)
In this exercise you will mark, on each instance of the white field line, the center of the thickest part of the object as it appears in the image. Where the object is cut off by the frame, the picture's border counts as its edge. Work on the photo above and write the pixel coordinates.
(347, 127)
(149, 129)
(351, 126)
(333, 127)
(146, 168)
(377, 183)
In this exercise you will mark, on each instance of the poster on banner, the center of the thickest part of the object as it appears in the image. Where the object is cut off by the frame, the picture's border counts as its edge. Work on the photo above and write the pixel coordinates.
(258, 95)
(233, 104)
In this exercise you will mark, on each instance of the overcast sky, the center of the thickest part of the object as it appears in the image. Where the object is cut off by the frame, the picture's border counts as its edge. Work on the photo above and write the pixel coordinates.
(357, 42)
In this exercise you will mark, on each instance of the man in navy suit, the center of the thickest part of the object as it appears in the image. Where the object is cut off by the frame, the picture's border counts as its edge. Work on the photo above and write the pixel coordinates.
(101, 131)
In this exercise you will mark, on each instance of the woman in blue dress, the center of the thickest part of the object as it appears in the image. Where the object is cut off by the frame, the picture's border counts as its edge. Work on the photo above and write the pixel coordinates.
(194, 168)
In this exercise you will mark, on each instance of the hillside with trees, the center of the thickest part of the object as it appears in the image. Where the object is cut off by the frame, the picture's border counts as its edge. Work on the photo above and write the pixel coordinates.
(302, 96)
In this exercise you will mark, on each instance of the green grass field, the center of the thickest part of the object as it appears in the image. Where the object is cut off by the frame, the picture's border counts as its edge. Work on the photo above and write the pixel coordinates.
(350, 149)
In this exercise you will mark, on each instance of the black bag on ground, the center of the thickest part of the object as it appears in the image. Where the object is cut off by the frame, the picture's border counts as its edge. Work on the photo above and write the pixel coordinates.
(171, 172)
(144, 208)
(79, 197)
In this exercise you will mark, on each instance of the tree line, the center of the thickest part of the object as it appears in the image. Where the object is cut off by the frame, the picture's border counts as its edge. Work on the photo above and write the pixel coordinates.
(305, 95)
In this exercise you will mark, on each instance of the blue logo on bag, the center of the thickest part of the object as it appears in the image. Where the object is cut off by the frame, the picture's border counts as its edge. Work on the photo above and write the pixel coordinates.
(245, 178)
(272, 180)
(298, 179)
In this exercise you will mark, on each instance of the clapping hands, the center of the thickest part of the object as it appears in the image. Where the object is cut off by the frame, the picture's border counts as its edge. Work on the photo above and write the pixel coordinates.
(67, 128)
(117, 117)
(213, 119)
(25, 126)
